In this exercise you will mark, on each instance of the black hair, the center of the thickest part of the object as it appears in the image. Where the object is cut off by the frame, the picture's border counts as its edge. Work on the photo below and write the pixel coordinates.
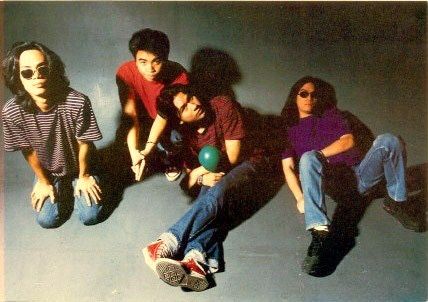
(150, 40)
(326, 99)
(165, 104)
(58, 82)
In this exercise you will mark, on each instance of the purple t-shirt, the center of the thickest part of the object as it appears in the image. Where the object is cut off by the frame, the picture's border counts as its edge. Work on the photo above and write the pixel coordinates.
(315, 133)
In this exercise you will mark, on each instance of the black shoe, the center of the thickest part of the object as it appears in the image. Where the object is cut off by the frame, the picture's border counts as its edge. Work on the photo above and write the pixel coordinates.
(325, 253)
(314, 260)
(397, 210)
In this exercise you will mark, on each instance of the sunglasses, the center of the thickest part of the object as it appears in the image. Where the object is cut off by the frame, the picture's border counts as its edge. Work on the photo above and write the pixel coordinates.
(43, 72)
(305, 94)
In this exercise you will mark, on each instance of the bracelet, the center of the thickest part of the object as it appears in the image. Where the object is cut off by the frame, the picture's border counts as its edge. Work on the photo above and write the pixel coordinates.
(323, 156)
(200, 179)
(151, 143)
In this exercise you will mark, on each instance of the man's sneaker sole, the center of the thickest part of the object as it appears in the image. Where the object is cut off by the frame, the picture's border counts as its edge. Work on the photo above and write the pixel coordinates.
(174, 274)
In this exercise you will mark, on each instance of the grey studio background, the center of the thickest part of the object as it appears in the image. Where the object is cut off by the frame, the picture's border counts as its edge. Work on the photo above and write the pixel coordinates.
(373, 53)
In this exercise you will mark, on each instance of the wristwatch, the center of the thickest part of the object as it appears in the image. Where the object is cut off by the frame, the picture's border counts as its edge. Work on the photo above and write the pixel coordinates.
(200, 179)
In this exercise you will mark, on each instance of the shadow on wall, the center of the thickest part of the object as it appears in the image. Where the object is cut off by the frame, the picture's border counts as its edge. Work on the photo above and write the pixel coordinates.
(214, 72)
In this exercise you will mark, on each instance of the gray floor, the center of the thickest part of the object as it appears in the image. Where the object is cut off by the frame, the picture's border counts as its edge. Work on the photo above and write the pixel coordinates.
(263, 254)
(373, 53)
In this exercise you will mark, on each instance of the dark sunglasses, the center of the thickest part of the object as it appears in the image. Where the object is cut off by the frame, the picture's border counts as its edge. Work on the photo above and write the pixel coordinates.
(43, 71)
(305, 94)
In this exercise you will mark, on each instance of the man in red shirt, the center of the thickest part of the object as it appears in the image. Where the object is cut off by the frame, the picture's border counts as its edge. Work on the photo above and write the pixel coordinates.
(139, 83)
(197, 236)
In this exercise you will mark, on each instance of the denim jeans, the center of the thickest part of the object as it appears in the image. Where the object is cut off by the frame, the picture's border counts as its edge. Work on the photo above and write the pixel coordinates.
(171, 147)
(385, 160)
(53, 215)
(198, 228)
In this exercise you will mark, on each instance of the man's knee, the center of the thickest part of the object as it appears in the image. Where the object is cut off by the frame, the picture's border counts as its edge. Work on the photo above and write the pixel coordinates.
(309, 160)
(49, 221)
(387, 140)
(212, 200)
(90, 215)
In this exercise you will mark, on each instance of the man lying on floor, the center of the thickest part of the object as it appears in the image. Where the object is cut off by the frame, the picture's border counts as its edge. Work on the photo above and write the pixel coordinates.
(191, 248)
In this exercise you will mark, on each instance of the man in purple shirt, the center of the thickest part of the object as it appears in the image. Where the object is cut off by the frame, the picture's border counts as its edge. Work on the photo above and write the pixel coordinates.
(319, 139)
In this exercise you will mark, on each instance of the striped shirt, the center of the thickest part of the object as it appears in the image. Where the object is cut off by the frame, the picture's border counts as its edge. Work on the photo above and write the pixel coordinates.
(54, 134)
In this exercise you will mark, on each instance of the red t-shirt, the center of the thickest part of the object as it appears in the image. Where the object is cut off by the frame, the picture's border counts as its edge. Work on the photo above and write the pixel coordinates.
(138, 88)
(227, 124)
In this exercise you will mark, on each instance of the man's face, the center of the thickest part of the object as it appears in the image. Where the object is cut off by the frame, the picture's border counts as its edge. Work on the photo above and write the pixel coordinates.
(306, 99)
(148, 64)
(33, 72)
(190, 109)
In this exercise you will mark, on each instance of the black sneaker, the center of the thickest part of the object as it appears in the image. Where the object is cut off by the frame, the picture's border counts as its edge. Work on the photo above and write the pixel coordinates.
(314, 261)
(325, 253)
(398, 211)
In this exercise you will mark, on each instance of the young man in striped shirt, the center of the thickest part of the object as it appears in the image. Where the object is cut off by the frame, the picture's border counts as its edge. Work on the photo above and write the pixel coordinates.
(54, 127)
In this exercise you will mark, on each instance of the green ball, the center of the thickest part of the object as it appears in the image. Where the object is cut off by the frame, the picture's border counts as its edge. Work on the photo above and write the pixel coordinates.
(209, 157)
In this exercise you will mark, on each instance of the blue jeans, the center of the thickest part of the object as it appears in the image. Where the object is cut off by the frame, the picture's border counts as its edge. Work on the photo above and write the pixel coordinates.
(171, 147)
(198, 228)
(385, 160)
(53, 215)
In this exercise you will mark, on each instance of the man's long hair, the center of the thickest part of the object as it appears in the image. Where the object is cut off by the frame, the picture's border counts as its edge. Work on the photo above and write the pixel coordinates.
(57, 80)
(326, 99)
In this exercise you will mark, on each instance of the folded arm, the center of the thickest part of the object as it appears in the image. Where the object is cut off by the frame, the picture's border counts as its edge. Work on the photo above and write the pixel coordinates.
(343, 144)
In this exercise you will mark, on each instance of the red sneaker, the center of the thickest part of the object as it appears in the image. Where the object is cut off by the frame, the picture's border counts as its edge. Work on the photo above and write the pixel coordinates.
(187, 273)
(156, 250)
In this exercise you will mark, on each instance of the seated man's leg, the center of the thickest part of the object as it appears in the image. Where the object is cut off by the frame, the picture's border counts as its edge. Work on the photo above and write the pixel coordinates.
(197, 220)
(209, 204)
(53, 215)
(198, 217)
(214, 247)
(88, 214)
(311, 177)
(190, 272)
(386, 159)
(311, 174)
